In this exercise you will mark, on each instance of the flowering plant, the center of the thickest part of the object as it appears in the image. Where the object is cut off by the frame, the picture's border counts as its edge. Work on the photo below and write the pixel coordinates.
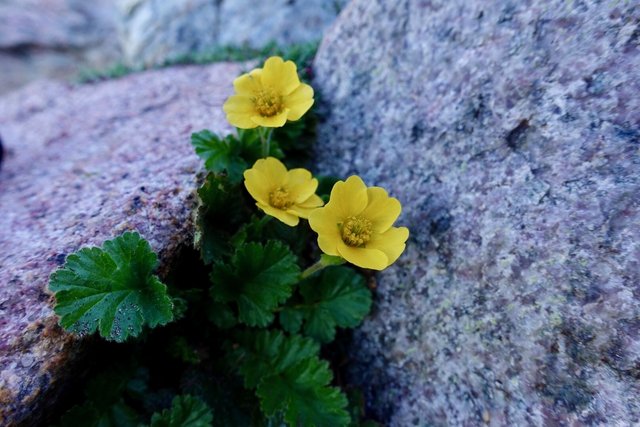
(246, 320)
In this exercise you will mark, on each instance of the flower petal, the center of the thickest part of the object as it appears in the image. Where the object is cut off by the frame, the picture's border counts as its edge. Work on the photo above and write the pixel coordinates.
(257, 185)
(301, 184)
(348, 198)
(287, 218)
(241, 121)
(280, 75)
(364, 257)
(391, 242)
(382, 210)
(271, 122)
(248, 84)
(310, 205)
(299, 101)
(272, 171)
(324, 221)
(239, 104)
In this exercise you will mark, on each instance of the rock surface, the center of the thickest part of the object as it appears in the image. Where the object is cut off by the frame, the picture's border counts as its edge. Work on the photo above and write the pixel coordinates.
(60, 38)
(54, 38)
(83, 164)
(511, 133)
(154, 30)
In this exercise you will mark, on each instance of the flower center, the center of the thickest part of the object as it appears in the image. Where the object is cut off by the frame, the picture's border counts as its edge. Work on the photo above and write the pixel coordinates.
(279, 198)
(267, 102)
(356, 231)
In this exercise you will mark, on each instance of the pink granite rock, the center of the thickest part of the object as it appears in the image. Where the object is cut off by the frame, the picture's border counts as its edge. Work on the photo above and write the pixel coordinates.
(83, 164)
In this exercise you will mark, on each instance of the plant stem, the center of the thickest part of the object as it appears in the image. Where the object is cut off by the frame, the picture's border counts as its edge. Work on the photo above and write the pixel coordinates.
(324, 261)
(265, 139)
(315, 267)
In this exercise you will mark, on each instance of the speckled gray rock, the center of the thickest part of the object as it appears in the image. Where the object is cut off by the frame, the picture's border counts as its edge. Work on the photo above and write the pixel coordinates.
(84, 164)
(54, 38)
(154, 30)
(510, 131)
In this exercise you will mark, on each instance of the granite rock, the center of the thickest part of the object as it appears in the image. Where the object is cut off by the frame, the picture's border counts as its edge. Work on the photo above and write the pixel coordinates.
(54, 38)
(154, 30)
(510, 131)
(83, 164)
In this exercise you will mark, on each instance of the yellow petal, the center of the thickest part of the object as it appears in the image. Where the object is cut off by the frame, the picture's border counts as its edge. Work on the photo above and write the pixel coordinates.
(279, 75)
(299, 101)
(364, 257)
(391, 242)
(301, 184)
(272, 171)
(248, 84)
(382, 210)
(329, 244)
(312, 202)
(287, 218)
(239, 104)
(348, 198)
(257, 185)
(242, 121)
(271, 122)
(310, 205)
(324, 221)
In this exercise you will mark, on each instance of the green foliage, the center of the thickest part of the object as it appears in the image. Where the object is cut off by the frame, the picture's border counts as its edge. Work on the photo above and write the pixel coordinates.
(104, 405)
(257, 279)
(335, 297)
(220, 154)
(111, 289)
(302, 54)
(219, 209)
(186, 411)
(223, 345)
(290, 378)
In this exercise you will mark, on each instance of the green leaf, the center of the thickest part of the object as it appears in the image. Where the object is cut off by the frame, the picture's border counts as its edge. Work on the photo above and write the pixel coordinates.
(290, 378)
(264, 353)
(221, 315)
(220, 154)
(220, 209)
(258, 279)
(302, 392)
(111, 289)
(186, 411)
(336, 297)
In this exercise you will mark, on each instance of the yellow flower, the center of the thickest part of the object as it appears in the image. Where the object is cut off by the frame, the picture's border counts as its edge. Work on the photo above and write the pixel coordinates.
(286, 195)
(356, 225)
(268, 96)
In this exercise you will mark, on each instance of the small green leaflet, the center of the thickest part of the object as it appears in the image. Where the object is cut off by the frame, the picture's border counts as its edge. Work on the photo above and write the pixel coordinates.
(186, 411)
(220, 154)
(220, 209)
(290, 378)
(258, 279)
(336, 297)
(111, 289)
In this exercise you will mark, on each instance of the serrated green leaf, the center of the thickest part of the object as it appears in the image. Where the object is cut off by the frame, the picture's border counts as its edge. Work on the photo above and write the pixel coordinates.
(220, 154)
(291, 319)
(186, 411)
(221, 315)
(336, 297)
(264, 353)
(258, 279)
(303, 394)
(220, 210)
(111, 289)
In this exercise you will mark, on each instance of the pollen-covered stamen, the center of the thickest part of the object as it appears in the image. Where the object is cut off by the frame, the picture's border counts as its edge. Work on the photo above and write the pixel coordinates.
(356, 231)
(267, 102)
(279, 198)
